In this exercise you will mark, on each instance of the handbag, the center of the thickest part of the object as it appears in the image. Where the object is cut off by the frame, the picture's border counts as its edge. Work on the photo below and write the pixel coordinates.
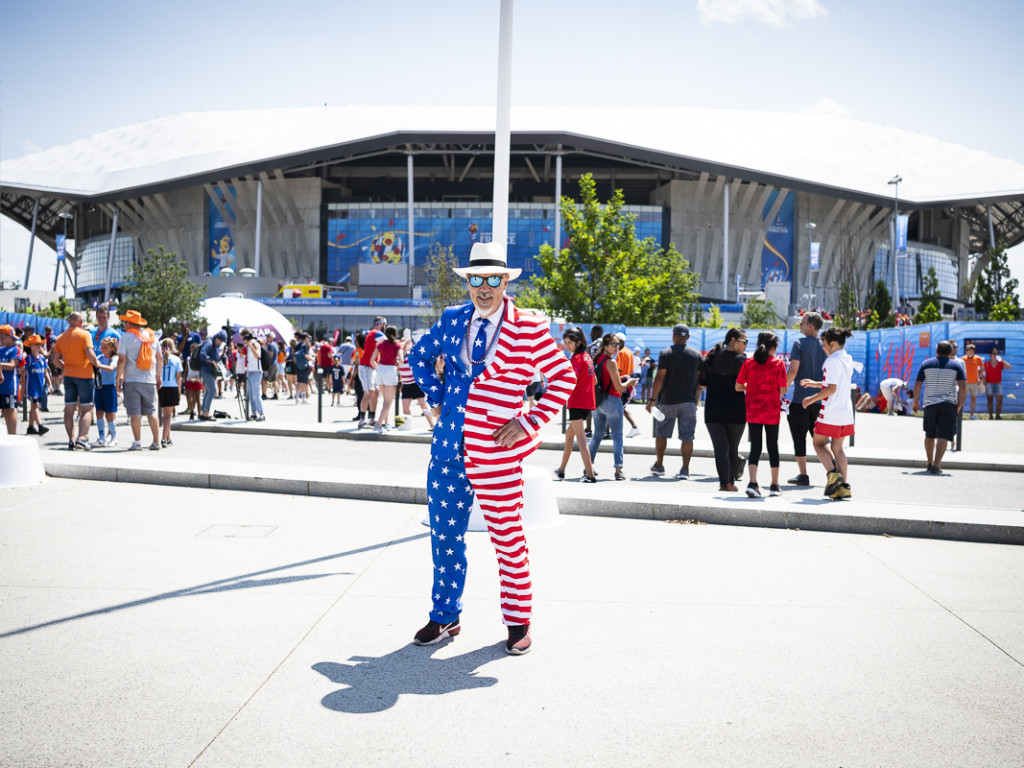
(599, 393)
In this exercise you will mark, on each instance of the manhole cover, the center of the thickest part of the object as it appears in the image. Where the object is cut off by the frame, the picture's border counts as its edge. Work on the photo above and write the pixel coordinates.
(239, 531)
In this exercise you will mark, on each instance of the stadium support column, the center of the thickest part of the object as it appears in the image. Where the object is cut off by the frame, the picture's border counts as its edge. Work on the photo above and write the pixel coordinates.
(259, 223)
(110, 256)
(558, 201)
(895, 181)
(725, 241)
(502, 141)
(988, 210)
(412, 222)
(32, 241)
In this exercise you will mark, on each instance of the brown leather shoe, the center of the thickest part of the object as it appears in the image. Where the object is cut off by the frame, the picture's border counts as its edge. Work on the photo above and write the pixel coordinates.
(434, 633)
(518, 639)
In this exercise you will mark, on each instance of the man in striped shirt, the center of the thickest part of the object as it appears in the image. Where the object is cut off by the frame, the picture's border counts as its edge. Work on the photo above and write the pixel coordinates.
(945, 387)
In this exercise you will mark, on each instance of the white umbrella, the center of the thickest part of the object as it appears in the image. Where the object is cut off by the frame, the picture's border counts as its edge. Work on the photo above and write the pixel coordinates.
(245, 313)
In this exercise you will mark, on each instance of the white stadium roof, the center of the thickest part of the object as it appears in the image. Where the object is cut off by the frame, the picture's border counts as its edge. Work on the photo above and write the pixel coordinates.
(833, 154)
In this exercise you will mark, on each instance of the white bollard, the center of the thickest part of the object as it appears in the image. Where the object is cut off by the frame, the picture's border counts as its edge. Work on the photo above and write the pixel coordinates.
(20, 462)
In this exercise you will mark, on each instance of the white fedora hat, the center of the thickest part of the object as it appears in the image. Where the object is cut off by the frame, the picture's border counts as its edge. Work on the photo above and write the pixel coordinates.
(488, 259)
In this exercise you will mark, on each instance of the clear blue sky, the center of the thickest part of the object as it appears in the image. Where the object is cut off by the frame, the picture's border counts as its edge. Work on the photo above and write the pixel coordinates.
(72, 69)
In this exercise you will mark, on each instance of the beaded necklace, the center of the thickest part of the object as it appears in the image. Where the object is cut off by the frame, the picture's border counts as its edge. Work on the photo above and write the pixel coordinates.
(494, 340)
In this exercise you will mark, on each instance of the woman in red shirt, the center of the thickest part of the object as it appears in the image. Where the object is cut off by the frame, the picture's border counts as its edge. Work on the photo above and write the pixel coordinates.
(763, 378)
(387, 354)
(580, 403)
(994, 381)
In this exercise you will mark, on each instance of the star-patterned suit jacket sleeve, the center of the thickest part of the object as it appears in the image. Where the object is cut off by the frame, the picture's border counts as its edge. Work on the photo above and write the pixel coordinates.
(421, 360)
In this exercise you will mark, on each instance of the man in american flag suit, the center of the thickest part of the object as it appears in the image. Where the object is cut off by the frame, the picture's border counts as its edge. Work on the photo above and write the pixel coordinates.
(490, 352)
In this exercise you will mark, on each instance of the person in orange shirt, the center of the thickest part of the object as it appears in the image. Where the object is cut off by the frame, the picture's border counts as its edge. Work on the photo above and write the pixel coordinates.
(74, 355)
(975, 368)
(624, 362)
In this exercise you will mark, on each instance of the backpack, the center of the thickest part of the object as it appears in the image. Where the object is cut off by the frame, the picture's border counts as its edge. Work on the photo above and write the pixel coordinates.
(266, 358)
(195, 361)
(599, 392)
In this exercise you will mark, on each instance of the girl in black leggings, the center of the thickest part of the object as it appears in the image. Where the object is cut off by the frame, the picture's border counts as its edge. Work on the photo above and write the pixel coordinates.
(763, 379)
(725, 412)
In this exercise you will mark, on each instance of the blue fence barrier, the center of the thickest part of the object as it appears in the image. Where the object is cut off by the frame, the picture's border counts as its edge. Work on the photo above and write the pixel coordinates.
(35, 322)
(890, 352)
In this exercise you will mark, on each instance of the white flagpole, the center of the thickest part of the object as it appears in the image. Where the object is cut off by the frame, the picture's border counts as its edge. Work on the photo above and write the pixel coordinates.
(502, 141)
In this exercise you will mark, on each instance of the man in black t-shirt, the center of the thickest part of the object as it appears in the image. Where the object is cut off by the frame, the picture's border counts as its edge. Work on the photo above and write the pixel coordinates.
(676, 391)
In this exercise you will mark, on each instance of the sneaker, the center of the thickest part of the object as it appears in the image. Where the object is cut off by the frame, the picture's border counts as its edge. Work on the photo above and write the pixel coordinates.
(774, 490)
(518, 639)
(588, 434)
(842, 492)
(560, 474)
(111, 441)
(260, 417)
(635, 431)
(71, 445)
(99, 442)
(934, 470)
(434, 633)
(43, 429)
(154, 446)
(974, 417)
(169, 443)
(82, 444)
(803, 480)
(753, 491)
(32, 430)
(657, 469)
(835, 479)
(163, 443)
(739, 469)
(589, 479)
(683, 474)
(135, 446)
(619, 474)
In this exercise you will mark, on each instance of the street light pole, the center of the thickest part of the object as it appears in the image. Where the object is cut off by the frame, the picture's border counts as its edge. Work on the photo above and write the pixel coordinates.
(895, 181)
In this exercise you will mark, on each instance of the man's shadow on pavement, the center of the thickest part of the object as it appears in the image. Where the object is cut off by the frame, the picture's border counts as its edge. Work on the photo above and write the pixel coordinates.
(375, 683)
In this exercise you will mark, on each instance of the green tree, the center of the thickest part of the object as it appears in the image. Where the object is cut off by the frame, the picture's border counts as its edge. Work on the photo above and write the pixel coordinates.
(880, 305)
(446, 288)
(715, 321)
(928, 309)
(159, 289)
(759, 313)
(59, 309)
(995, 288)
(847, 311)
(608, 275)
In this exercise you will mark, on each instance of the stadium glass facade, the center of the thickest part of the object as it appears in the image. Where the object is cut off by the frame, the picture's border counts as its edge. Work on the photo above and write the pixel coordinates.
(379, 232)
(93, 255)
(913, 267)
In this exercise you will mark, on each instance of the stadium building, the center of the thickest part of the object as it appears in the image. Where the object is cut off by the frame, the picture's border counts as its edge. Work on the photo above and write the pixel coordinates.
(354, 199)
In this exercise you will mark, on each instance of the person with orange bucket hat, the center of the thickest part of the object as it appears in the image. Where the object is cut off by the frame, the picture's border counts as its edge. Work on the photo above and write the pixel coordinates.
(37, 382)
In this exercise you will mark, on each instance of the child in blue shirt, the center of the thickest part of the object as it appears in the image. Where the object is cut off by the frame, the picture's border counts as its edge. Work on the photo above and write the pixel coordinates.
(106, 394)
(169, 394)
(10, 361)
(37, 381)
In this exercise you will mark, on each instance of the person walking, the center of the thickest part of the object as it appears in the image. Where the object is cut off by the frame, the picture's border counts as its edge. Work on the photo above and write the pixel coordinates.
(994, 367)
(73, 353)
(806, 359)
(580, 404)
(490, 351)
(387, 356)
(763, 380)
(608, 413)
(945, 389)
(676, 391)
(138, 362)
(253, 375)
(835, 421)
(725, 407)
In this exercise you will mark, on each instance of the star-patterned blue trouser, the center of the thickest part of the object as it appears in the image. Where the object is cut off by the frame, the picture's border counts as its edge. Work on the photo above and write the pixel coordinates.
(449, 503)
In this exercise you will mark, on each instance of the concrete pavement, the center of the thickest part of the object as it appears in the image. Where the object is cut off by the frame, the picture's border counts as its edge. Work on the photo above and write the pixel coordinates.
(893, 497)
(168, 627)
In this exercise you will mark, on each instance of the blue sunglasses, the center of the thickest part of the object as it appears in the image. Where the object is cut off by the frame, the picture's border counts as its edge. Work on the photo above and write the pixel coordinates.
(492, 280)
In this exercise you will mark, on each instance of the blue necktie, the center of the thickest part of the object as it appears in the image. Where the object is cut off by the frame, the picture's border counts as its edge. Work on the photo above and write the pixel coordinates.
(479, 350)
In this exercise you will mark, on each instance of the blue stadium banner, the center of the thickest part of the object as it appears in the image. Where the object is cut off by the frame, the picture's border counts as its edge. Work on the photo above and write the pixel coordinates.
(60, 247)
(815, 250)
(902, 222)
(777, 247)
(221, 244)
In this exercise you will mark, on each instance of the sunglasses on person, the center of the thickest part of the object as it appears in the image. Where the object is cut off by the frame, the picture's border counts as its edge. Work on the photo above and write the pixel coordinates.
(492, 280)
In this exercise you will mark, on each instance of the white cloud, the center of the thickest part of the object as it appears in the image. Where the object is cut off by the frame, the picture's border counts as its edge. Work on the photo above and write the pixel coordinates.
(825, 106)
(774, 13)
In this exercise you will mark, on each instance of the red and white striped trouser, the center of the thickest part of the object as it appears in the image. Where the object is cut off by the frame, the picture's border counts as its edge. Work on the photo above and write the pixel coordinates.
(499, 489)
